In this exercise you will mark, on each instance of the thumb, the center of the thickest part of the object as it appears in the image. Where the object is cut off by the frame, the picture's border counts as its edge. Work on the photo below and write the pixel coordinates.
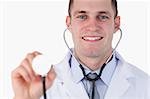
(51, 75)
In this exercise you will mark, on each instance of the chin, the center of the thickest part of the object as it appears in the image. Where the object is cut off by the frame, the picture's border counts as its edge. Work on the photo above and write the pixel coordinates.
(91, 53)
(88, 51)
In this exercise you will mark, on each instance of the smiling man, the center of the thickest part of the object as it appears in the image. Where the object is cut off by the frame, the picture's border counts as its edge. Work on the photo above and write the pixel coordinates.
(92, 24)
(83, 73)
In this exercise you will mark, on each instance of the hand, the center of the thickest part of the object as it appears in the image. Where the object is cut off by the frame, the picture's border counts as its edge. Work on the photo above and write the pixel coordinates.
(26, 84)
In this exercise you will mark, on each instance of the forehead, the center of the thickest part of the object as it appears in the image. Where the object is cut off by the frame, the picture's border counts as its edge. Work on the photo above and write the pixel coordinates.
(92, 5)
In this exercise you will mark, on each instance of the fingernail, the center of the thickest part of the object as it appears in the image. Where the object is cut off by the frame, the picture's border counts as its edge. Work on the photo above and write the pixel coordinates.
(37, 53)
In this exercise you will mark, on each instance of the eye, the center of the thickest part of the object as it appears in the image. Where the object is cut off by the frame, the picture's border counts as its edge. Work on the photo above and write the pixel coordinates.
(103, 17)
(82, 17)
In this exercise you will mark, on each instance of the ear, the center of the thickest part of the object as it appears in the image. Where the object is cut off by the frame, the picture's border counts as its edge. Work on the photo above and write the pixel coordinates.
(68, 22)
(117, 24)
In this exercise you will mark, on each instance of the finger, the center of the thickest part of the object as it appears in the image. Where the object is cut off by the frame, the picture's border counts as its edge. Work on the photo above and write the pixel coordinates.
(21, 73)
(27, 65)
(50, 77)
(31, 56)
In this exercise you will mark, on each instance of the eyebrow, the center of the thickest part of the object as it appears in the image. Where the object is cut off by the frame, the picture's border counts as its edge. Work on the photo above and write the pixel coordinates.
(79, 12)
(99, 12)
(104, 12)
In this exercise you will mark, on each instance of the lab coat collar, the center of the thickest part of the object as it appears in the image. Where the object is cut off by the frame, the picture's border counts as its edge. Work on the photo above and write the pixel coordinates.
(119, 83)
(64, 75)
(77, 74)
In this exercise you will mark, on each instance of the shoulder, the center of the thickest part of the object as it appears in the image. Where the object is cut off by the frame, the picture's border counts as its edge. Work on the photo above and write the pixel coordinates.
(138, 73)
(130, 67)
(140, 80)
(131, 71)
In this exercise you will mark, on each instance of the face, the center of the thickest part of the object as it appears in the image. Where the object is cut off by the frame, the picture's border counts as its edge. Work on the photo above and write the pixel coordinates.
(92, 25)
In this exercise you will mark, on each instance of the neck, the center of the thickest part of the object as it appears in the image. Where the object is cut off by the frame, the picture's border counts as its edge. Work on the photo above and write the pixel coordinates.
(94, 63)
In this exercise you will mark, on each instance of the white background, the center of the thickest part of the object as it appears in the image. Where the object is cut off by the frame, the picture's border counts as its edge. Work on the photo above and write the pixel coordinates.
(28, 25)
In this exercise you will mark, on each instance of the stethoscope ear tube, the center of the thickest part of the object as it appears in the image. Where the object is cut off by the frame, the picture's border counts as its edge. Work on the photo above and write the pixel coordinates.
(64, 37)
(114, 49)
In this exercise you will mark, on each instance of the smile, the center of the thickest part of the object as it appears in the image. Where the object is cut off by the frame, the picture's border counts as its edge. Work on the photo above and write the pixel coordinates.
(92, 38)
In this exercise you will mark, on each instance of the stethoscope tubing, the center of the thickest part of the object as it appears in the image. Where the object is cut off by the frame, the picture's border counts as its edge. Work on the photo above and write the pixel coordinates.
(64, 37)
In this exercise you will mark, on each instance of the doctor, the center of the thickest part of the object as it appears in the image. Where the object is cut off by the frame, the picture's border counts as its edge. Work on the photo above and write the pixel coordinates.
(92, 24)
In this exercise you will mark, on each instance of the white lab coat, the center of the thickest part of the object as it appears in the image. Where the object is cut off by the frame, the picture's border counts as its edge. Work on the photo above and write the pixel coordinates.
(128, 82)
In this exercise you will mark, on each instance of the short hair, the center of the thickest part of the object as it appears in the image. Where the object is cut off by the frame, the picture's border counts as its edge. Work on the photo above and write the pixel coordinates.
(114, 5)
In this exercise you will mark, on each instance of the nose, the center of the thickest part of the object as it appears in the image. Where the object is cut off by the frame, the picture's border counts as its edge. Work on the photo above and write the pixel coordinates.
(93, 25)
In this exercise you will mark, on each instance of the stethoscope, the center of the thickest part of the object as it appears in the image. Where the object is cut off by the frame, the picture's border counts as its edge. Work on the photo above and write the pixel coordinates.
(113, 51)
(81, 65)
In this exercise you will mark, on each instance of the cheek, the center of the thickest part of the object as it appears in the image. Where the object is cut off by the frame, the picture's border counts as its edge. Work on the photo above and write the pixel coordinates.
(79, 26)
(108, 27)
(75, 35)
(76, 30)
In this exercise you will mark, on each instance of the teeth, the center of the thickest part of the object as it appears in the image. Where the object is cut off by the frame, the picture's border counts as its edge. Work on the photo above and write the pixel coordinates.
(92, 38)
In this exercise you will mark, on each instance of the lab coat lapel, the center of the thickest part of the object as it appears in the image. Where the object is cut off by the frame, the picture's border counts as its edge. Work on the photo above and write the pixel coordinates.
(73, 89)
(119, 84)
